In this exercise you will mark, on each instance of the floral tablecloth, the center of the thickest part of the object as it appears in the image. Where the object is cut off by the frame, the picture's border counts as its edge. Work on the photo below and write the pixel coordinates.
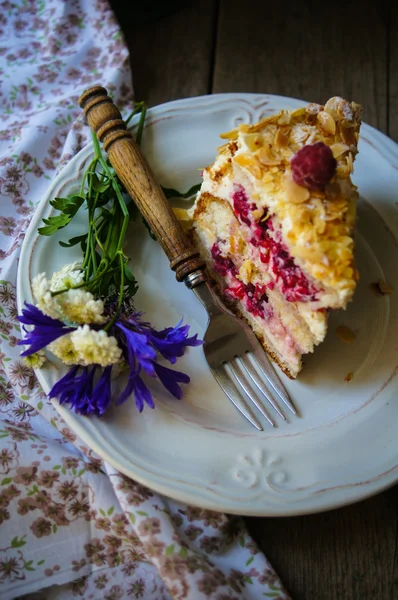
(70, 525)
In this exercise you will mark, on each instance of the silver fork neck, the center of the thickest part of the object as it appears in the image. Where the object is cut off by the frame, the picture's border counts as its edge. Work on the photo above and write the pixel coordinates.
(197, 282)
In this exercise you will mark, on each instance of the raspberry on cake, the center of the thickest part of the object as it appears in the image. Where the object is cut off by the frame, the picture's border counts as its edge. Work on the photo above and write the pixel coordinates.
(274, 221)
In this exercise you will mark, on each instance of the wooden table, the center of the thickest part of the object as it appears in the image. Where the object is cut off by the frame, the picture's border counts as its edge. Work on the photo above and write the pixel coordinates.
(310, 51)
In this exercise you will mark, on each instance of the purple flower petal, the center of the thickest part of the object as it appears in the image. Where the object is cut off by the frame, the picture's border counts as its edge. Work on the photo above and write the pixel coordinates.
(31, 315)
(170, 379)
(172, 341)
(128, 390)
(142, 394)
(46, 329)
(77, 390)
(138, 344)
(101, 396)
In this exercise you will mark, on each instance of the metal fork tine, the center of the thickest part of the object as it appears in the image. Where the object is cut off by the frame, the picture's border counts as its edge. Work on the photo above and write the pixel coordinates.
(246, 388)
(265, 366)
(260, 384)
(230, 390)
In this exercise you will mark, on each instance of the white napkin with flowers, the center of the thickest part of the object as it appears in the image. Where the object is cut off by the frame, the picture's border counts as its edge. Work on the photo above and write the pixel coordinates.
(70, 525)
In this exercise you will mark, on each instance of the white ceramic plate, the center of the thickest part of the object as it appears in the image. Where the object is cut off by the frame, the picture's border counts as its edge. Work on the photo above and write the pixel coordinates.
(200, 450)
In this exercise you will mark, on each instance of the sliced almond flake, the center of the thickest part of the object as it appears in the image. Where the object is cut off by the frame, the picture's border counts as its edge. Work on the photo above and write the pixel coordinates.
(345, 334)
(339, 149)
(349, 377)
(230, 135)
(327, 122)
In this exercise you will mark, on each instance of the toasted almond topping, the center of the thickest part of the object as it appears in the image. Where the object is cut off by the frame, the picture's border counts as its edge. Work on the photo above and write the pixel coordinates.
(327, 122)
(296, 194)
(349, 377)
(339, 149)
(282, 137)
(230, 135)
(314, 109)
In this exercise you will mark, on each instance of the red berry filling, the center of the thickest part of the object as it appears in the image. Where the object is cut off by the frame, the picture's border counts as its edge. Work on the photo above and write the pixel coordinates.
(241, 204)
(254, 296)
(313, 166)
(295, 285)
(222, 264)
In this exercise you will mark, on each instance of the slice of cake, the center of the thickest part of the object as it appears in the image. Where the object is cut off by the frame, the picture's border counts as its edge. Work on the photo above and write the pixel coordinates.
(274, 221)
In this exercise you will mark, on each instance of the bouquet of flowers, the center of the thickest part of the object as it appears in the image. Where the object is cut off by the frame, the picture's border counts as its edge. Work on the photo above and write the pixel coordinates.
(85, 315)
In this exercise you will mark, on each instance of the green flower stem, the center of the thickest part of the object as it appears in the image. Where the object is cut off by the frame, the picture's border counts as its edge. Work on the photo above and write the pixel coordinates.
(121, 293)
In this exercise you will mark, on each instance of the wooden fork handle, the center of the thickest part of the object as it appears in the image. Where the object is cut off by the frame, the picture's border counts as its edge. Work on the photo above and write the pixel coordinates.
(135, 174)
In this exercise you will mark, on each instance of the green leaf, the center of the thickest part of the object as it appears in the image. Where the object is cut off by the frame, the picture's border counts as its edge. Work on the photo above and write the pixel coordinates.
(183, 552)
(40, 405)
(57, 467)
(74, 471)
(40, 562)
(242, 541)
(68, 208)
(142, 513)
(169, 550)
(248, 580)
(6, 480)
(53, 423)
(63, 470)
(99, 186)
(55, 528)
(18, 543)
(103, 513)
(29, 568)
(4, 435)
(132, 518)
(24, 397)
(110, 511)
(249, 561)
(171, 193)
(73, 241)
(80, 473)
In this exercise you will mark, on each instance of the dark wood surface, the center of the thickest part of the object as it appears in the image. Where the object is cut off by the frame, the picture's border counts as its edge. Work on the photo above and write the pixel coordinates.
(307, 51)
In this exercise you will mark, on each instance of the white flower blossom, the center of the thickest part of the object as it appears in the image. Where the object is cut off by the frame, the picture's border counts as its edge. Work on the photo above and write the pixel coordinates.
(65, 350)
(45, 302)
(67, 277)
(35, 360)
(80, 307)
(95, 347)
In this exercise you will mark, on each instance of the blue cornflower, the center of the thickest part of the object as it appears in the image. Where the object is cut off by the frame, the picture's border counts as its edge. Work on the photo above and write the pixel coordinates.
(77, 390)
(102, 393)
(46, 329)
(172, 341)
(140, 343)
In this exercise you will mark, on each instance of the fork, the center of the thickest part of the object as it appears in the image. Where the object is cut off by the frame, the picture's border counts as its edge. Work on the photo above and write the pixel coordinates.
(232, 351)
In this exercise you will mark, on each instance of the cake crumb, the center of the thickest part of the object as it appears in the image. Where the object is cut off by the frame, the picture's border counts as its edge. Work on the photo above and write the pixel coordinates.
(382, 287)
(349, 377)
(345, 334)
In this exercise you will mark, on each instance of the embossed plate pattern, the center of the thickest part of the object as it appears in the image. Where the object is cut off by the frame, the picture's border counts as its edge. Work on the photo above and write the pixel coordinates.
(344, 445)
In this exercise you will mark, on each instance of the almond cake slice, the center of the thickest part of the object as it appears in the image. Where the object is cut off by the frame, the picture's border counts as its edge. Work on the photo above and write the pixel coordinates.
(274, 220)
